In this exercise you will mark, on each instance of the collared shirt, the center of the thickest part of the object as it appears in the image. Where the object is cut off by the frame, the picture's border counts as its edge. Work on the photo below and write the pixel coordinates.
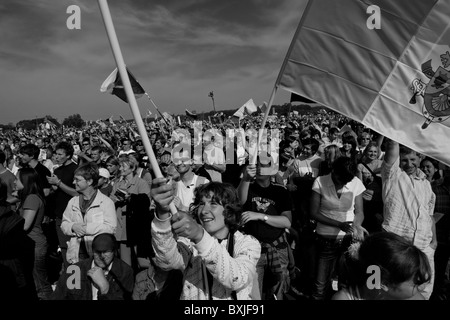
(186, 193)
(94, 289)
(340, 209)
(408, 204)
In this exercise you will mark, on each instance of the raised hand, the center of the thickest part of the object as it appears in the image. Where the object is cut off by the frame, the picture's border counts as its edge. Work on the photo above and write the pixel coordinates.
(163, 194)
(250, 172)
(184, 225)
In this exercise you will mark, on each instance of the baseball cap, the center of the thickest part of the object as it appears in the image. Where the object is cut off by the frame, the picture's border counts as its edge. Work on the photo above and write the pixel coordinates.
(104, 173)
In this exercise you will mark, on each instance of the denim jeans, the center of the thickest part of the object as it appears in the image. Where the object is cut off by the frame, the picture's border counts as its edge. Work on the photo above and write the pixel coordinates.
(40, 275)
(441, 258)
(279, 287)
(428, 290)
(328, 254)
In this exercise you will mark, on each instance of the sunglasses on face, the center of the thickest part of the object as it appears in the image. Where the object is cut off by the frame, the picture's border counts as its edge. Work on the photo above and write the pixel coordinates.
(182, 161)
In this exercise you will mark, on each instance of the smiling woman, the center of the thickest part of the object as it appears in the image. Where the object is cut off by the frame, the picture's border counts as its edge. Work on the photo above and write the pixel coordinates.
(218, 261)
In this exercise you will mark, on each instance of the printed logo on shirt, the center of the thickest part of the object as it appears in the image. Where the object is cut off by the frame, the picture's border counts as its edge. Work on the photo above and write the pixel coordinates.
(262, 204)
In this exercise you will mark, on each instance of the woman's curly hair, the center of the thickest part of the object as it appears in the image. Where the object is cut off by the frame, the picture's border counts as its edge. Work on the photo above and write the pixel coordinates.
(225, 195)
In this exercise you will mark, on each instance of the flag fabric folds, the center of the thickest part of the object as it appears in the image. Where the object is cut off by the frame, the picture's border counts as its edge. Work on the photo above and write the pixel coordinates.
(191, 114)
(169, 119)
(113, 84)
(111, 122)
(248, 108)
(101, 124)
(49, 124)
(383, 63)
(262, 107)
(298, 98)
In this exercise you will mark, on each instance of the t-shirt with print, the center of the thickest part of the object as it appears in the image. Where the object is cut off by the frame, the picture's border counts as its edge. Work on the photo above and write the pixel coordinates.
(271, 201)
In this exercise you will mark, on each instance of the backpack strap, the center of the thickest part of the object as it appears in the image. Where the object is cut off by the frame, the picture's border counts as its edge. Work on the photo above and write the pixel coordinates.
(365, 165)
(230, 247)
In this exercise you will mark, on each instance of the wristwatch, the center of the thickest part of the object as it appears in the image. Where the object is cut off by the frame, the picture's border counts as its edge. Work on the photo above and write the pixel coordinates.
(266, 218)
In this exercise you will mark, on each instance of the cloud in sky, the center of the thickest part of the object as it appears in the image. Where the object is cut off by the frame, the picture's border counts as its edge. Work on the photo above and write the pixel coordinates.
(178, 50)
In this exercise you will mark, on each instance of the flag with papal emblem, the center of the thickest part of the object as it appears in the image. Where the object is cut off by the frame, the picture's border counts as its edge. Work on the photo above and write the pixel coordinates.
(384, 63)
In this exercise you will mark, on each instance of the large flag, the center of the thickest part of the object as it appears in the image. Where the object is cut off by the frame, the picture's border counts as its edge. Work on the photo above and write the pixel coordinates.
(113, 84)
(384, 63)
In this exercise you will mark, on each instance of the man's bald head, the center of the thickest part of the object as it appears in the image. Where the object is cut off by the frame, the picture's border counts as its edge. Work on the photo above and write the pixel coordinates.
(104, 242)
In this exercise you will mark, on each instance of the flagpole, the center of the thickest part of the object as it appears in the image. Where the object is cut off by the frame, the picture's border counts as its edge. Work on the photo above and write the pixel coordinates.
(156, 108)
(283, 66)
(263, 124)
(114, 42)
(211, 95)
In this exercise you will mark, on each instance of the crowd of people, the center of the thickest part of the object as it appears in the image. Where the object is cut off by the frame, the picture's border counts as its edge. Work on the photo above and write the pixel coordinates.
(305, 213)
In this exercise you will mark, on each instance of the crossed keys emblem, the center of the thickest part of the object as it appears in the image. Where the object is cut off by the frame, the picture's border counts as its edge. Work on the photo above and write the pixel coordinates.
(435, 93)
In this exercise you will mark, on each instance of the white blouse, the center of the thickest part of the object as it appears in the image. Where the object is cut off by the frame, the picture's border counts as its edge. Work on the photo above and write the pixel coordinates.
(340, 209)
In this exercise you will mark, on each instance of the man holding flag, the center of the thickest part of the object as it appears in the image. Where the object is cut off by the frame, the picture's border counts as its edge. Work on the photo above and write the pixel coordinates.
(409, 203)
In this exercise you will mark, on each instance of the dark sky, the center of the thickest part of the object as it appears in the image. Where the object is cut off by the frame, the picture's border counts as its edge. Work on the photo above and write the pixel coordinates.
(178, 50)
